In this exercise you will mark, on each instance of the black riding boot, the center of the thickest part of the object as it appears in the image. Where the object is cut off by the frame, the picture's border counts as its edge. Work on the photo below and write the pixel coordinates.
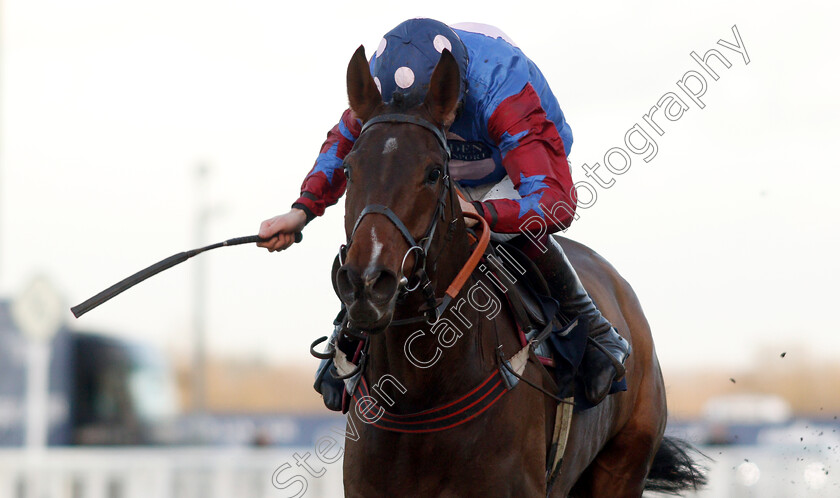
(606, 351)
(326, 384)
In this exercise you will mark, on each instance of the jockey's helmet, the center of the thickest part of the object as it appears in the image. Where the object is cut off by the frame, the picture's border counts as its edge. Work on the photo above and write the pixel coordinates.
(407, 55)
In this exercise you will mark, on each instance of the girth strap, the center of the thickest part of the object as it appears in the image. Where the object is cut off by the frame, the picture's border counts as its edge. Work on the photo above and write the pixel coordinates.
(453, 414)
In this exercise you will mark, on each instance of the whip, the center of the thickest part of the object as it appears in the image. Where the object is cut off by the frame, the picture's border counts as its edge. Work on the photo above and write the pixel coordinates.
(127, 283)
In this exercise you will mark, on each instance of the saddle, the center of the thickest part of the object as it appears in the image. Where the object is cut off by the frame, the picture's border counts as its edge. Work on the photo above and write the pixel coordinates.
(559, 340)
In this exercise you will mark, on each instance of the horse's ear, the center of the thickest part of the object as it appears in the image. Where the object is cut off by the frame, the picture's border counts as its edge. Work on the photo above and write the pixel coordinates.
(361, 89)
(444, 89)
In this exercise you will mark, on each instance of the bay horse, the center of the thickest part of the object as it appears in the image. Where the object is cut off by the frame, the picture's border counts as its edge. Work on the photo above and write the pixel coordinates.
(401, 213)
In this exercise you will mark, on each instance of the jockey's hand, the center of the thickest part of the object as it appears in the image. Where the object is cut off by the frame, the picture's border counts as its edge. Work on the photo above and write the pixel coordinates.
(281, 230)
(466, 207)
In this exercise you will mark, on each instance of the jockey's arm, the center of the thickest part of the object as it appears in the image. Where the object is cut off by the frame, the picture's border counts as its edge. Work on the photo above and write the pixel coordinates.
(325, 183)
(535, 159)
(323, 186)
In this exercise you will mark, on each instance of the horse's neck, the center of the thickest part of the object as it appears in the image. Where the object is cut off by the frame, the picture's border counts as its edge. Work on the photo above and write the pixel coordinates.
(461, 363)
(431, 368)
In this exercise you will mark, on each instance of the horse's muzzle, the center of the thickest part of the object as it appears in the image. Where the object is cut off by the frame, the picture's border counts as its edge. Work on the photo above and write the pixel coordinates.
(369, 296)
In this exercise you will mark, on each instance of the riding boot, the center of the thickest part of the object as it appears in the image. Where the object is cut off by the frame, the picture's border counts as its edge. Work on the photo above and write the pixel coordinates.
(606, 351)
(326, 384)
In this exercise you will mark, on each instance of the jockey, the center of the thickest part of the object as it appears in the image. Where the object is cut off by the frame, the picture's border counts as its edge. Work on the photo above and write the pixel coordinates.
(509, 146)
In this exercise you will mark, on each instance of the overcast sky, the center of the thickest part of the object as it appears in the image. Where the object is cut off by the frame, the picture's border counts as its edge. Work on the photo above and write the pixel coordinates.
(729, 235)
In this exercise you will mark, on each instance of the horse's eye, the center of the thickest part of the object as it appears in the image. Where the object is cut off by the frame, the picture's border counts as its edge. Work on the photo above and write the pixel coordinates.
(347, 172)
(433, 176)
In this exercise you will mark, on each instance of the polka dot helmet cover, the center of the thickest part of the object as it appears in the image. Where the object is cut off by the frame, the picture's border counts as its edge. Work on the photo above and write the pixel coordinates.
(407, 55)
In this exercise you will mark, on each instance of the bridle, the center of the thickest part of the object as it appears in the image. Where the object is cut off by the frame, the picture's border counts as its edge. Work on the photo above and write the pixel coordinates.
(433, 307)
(418, 278)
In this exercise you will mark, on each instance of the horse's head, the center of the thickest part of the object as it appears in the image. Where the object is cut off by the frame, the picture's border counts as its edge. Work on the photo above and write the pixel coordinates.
(397, 188)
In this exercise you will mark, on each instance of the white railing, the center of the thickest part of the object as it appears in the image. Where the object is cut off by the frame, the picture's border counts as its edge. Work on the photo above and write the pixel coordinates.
(163, 473)
(808, 469)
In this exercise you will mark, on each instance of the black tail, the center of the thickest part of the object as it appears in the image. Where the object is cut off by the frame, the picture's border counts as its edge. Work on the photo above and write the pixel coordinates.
(673, 470)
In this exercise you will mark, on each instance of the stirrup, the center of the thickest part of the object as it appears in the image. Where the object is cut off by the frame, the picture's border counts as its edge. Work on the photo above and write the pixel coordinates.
(327, 383)
(330, 389)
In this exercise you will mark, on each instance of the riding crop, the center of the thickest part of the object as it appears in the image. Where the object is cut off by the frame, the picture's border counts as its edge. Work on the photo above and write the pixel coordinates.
(127, 283)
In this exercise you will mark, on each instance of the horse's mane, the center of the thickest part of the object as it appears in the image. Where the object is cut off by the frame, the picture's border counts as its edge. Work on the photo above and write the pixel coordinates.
(402, 102)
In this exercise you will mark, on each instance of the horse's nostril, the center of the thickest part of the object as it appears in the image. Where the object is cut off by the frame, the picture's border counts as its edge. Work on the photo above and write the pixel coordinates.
(380, 285)
(347, 282)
